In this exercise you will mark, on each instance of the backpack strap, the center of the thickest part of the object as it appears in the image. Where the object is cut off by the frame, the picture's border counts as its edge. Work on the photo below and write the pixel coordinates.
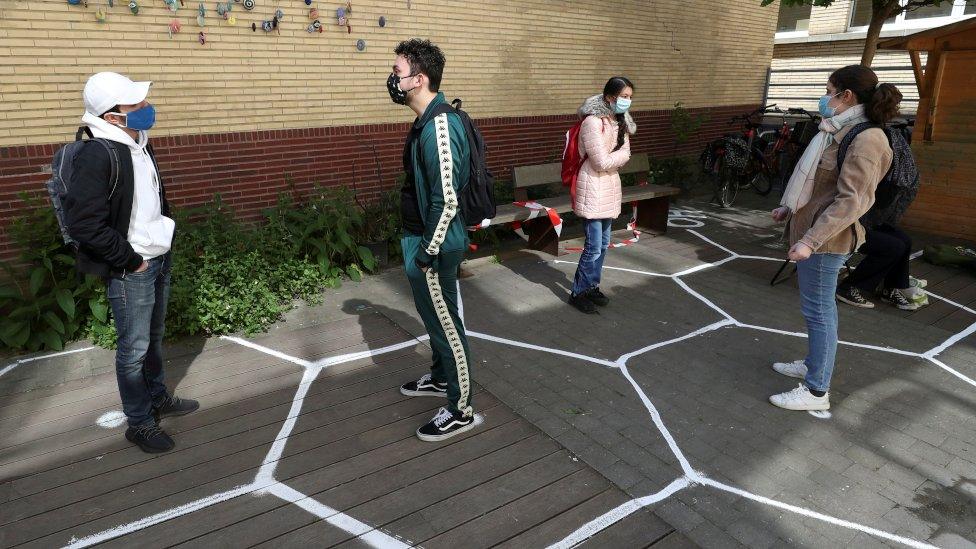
(849, 138)
(113, 154)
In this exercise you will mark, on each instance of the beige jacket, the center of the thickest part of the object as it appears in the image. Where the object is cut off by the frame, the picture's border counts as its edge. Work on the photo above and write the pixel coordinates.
(828, 223)
(598, 184)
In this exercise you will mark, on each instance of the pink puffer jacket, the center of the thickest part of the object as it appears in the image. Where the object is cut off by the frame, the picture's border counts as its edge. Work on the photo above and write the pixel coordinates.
(598, 183)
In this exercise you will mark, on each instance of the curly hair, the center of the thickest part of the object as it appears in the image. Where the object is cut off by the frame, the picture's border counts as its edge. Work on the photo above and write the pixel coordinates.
(423, 57)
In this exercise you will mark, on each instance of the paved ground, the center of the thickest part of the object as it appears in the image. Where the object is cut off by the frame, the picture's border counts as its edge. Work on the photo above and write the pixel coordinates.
(663, 394)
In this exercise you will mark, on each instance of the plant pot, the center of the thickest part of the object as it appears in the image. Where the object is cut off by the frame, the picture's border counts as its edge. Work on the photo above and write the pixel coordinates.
(381, 252)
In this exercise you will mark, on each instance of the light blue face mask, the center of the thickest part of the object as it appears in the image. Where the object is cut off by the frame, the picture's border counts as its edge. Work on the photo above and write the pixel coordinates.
(825, 109)
(622, 105)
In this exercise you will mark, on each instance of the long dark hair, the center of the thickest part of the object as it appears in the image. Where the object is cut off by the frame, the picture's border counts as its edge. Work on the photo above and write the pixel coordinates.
(613, 88)
(880, 100)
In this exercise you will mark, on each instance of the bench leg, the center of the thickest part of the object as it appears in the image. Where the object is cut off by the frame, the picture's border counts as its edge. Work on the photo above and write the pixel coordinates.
(542, 236)
(652, 214)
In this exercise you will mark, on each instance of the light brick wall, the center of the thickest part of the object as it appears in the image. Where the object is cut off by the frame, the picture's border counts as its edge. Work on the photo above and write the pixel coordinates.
(800, 71)
(506, 58)
(832, 19)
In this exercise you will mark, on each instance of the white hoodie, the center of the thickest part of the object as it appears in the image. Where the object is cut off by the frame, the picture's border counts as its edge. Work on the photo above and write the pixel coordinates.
(150, 232)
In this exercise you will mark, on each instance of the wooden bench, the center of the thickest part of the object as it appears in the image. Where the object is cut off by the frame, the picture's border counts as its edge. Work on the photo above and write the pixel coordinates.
(652, 201)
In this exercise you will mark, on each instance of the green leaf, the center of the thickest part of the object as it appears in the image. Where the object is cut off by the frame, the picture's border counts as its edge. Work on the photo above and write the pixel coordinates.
(66, 259)
(354, 273)
(99, 310)
(18, 338)
(36, 279)
(54, 322)
(9, 292)
(66, 302)
(367, 256)
(48, 264)
(51, 340)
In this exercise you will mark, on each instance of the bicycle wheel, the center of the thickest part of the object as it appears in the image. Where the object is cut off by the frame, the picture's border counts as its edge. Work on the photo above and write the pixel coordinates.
(761, 182)
(727, 185)
(758, 174)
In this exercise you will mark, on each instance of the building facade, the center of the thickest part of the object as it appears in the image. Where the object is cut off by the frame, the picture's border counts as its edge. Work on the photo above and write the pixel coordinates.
(248, 113)
(812, 41)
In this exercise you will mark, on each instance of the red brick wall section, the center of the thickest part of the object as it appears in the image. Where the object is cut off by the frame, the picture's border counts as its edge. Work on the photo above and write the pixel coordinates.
(249, 169)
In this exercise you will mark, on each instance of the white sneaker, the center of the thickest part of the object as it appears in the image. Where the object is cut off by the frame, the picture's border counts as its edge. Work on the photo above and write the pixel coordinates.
(797, 368)
(801, 398)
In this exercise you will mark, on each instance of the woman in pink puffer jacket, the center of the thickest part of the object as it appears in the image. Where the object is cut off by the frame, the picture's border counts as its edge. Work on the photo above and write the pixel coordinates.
(605, 142)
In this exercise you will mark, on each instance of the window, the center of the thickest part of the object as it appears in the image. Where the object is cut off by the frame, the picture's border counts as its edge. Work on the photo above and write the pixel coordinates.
(793, 18)
(942, 10)
(927, 16)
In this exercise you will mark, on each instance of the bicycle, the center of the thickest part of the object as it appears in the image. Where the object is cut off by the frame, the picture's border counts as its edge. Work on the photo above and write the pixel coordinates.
(736, 161)
(791, 142)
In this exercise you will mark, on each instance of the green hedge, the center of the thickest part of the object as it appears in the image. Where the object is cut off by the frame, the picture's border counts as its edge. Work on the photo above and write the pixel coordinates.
(227, 276)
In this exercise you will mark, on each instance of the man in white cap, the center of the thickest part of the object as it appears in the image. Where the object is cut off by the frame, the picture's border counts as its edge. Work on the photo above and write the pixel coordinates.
(116, 210)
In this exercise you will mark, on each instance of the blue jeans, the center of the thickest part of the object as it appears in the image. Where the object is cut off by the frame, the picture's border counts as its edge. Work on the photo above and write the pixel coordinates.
(594, 252)
(139, 309)
(818, 287)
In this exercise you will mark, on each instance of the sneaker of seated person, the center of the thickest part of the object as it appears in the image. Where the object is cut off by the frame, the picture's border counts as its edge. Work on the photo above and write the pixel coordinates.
(852, 296)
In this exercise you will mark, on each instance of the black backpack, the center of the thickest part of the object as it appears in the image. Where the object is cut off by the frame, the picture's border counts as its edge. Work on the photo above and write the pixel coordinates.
(477, 198)
(61, 170)
(898, 187)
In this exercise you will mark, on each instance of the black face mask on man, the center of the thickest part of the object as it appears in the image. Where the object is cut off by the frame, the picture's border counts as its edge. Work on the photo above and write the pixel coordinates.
(398, 95)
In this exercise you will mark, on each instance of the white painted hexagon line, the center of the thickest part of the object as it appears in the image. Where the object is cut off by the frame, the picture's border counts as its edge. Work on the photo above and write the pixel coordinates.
(617, 514)
(261, 483)
(164, 516)
(366, 533)
(819, 516)
(10, 367)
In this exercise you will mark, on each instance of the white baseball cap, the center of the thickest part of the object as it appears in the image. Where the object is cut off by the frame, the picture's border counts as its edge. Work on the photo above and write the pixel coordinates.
(105, 90)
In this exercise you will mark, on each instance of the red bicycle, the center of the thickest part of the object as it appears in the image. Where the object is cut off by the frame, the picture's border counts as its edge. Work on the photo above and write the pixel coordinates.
(740, 160)
(789, 144)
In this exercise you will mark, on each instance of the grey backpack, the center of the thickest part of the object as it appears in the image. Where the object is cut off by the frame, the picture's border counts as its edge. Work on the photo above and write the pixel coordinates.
(61, 171)
(898, 187)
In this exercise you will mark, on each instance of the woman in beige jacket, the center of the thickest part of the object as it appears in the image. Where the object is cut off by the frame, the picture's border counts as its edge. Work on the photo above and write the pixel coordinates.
(605, 143)
(822, 204)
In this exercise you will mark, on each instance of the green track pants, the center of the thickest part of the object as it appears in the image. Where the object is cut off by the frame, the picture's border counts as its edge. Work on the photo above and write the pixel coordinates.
(436, 295)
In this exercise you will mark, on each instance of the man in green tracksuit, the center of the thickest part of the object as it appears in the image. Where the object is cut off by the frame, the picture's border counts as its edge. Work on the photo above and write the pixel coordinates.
(436, 160)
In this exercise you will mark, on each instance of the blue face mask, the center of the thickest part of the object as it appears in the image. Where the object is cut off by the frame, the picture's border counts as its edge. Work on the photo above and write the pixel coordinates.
(141, 119)
(825, 109)
(622, 105)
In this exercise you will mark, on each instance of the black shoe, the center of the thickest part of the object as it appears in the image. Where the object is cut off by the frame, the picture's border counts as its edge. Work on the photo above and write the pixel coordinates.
(598, 298)
(423, 387)
(150, 438)
(444, 426)
(583, 303)
(852, 296)
(898, 299)
(172, 406)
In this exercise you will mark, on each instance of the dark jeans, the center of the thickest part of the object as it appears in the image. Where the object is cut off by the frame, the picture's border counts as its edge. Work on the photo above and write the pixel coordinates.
(886, 255)
(139, 309)
(597, 232)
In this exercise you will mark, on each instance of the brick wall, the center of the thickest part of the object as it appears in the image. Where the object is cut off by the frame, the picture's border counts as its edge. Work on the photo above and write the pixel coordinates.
(249, 169)
(800, 71)
(507, 58)
(833, 19)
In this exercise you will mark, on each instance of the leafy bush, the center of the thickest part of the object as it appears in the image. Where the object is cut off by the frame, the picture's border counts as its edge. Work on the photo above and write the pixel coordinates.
(46, 304)
(226, 276)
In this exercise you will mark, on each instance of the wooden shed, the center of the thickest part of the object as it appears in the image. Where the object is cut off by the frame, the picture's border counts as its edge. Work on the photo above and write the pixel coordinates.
(944, 140)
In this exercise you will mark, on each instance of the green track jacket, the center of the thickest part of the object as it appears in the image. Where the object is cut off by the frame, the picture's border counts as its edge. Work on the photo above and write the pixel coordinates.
(439, 160)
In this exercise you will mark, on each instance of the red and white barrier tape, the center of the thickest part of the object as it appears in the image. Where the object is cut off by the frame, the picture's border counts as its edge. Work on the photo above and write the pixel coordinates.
(536, 210)
(631, 226)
